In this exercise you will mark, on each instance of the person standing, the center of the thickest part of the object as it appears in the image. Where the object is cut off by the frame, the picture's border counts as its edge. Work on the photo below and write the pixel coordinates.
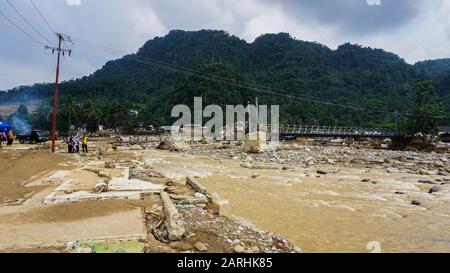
(2, 137)
(84, 142)
(10, 138)
(70, 145)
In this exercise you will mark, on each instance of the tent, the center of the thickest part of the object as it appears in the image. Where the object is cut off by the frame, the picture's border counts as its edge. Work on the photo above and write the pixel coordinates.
(4, 127)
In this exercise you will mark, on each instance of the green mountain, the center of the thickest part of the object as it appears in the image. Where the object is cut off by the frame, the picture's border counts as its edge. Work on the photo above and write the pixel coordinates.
(312, 83)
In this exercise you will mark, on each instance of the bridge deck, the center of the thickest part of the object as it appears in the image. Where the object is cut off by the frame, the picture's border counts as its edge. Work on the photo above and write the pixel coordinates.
(331, 131)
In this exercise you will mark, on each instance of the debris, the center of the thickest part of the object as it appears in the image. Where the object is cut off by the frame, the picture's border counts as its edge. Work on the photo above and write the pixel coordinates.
(201, 247)
(110, 165)
(174, 224)
(196, 185)
(101, 186)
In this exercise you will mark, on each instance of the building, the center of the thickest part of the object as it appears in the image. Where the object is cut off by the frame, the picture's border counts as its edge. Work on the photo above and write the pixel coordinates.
(444, 133)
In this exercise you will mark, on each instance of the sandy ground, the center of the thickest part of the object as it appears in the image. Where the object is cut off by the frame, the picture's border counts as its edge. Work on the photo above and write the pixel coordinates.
(36, 227)
(19, 165)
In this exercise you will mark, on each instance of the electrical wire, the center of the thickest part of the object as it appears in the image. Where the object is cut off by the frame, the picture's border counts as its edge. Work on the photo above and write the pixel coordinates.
(22, 30)
(28, 23)
(42, 16)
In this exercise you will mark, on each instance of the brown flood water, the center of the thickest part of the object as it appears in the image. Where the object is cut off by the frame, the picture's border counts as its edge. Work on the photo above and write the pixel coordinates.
(333, 213)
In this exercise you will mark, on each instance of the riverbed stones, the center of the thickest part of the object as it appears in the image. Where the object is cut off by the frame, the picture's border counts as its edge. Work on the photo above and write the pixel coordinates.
(426, 181)
(328, 171)
(392, 170)
(434, 189)
(174, 146)
(136, 148)
(201, 247)
(110, 165)
(238, 249)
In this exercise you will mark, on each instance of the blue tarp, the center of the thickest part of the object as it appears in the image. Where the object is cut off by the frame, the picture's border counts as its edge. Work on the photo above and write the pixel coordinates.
(4, 127)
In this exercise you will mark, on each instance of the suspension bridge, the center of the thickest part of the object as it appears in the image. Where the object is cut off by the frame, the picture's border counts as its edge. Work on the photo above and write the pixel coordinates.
(334, 131)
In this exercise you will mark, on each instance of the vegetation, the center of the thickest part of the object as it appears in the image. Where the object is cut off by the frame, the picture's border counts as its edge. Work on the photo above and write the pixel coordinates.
(127, 93)
(424, 111)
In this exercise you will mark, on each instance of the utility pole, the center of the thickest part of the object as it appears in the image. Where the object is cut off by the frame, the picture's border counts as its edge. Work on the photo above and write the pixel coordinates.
(61, 38)
(396, 121)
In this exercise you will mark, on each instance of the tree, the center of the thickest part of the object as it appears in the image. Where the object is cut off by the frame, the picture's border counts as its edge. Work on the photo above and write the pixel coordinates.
(22, 111)
(425, 111)
(69, 109)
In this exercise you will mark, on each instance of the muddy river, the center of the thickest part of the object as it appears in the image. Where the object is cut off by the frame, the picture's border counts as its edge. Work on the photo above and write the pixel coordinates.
(331, 213)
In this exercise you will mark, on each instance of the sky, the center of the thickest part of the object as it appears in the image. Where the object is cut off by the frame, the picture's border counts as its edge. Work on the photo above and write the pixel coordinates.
(414, 29)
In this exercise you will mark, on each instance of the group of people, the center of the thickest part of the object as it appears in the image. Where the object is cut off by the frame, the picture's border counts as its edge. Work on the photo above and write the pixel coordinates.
(8, 137)
(74, 143)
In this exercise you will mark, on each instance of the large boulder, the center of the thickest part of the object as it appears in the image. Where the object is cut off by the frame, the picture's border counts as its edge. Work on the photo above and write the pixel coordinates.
(136, 148)
(175, 146)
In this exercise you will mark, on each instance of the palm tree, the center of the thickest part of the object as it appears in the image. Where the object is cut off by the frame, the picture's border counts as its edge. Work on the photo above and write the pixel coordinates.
(92, 113)
(70, 109)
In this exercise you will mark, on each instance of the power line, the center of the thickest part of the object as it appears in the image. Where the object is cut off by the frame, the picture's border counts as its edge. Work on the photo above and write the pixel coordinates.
(42, 16)
(28, 23)
(24, 32)
(174, 68)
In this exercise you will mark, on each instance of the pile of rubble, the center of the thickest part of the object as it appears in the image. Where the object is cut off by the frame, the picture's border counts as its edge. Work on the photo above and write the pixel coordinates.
(194, 224)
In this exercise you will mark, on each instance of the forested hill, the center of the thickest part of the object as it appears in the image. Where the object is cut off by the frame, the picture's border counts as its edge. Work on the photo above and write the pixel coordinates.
(170, 70)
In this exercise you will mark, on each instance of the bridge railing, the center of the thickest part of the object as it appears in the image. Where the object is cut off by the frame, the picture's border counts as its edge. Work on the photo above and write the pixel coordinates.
(335, 131)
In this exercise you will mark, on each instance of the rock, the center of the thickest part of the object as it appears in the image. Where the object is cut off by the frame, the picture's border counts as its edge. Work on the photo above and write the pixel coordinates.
(255, 249)
(103, 174)
(201, 247)
(392, 170)
(435, 189)
(238, 249)
(399, 193)
(110, 165)
(426, 181)
(254, 176)
(246, 165)
(175, 146)
(365, 180)
(201, 197)
(101, 186)
(327, 171)
(73, 246)
(136, 148)
(416, 203)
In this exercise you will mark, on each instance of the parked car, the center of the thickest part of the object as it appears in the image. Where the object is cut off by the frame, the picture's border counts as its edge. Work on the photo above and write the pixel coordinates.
(35, 136)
